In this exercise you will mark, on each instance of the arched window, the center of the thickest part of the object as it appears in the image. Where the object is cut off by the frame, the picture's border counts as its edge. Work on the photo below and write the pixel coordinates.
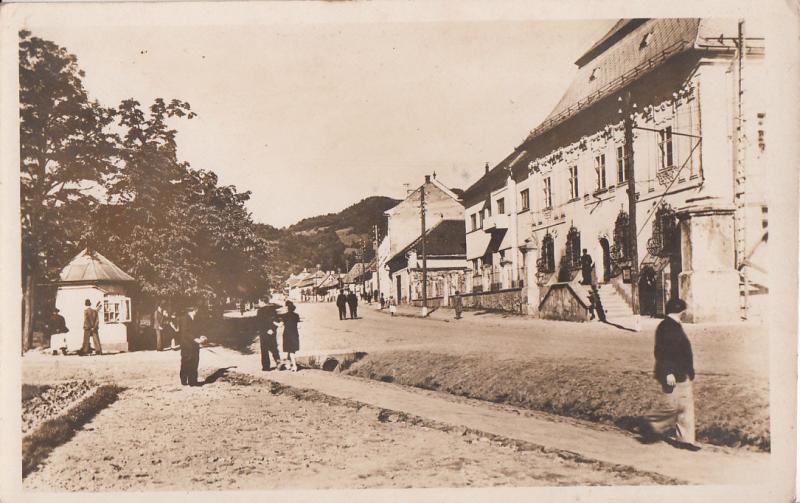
(547, 262)
(573, 249)
(622, 238)
(666, 239)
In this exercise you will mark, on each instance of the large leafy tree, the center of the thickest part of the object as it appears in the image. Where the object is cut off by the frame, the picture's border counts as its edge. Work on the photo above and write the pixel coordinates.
(66, 152)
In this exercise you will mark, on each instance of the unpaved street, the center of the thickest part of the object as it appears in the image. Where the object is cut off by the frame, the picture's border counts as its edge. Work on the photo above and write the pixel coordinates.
(235, 434)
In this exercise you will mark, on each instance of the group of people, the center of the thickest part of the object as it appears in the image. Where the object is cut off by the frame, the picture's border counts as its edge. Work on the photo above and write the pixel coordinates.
(345, 299)
(269, 319)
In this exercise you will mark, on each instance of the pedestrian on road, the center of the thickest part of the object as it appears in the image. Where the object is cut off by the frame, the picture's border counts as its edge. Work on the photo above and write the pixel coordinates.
(188, 328)
(383, 302)
(268, 335)
(158, 326)
(91, 326)
(674, 370)
(352, 301)
(56, 327)
(291, 335)
(170, 329)
(392, 305)
(458, 305)
(341, 303)
(586, 267)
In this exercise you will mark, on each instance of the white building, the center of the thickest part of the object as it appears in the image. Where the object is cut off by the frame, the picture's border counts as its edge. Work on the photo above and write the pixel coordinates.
(699, 178)
(92, 276)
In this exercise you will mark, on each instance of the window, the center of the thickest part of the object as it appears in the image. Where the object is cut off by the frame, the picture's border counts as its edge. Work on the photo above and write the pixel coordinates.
(600, 169)
(548, 194)
(501, 206)
(116, 309)
(482, 215)
(665, 146)
(474, 221)
(621, 164)
(526, 199)
(572, 254)
(546, 262)
(573, 182)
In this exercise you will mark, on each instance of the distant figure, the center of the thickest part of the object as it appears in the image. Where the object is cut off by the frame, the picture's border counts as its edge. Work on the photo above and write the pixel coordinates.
(91, 325)
(674, 370)
(392, 305)
(188, 328)
(170, 329)
(458, 304)
(291, 335)
(383, 302)
(158, 326)
(266, 317)
(586, 267)
(352, 301)
(56, 326)
(341, 303)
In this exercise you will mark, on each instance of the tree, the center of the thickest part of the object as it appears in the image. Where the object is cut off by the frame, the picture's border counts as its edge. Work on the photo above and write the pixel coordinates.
(66, 151)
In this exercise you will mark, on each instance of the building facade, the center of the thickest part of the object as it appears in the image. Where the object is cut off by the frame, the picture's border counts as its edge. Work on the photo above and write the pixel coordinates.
(698, 162)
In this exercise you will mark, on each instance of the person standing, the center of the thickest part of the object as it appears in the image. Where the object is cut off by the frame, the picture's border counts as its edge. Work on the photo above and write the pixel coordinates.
(383, 301)
(268, 335)
(352, 301)
(91, 327)
(57, 326)
(674, 370)
(586, 267)
(190, 346)
(291, 335)
(392, 305)
(341, 303)
(458, 304)
(158, 326)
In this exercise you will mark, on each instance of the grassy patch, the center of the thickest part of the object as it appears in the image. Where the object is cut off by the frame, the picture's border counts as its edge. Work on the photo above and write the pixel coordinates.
(54, 432)
(731, 412)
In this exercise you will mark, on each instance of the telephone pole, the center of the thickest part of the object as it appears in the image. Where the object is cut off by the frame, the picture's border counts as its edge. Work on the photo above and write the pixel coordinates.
(377, 262)
(424, 258)
(627, 110)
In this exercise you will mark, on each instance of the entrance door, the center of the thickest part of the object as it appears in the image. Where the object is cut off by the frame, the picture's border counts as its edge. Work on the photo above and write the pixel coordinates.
(399, 289)
(606, 260)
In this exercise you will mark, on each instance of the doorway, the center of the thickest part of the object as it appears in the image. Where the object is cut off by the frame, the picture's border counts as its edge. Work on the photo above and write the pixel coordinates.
(606, 259)
(399, 289)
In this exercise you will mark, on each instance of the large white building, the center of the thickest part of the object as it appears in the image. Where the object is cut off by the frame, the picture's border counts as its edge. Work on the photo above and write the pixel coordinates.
(697, 104)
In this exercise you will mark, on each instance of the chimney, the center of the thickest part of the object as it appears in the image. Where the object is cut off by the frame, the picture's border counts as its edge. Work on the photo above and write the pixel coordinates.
(486, 168)
(427, 178)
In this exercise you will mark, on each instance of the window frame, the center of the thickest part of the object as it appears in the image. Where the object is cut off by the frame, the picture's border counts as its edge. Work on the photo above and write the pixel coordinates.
(548, 193)
(525, 196)
(501, 206)
(600, 170)
(574, 188)
(622, 165)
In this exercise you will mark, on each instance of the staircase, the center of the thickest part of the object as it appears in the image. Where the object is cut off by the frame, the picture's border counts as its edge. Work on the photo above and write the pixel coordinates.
(616, 307)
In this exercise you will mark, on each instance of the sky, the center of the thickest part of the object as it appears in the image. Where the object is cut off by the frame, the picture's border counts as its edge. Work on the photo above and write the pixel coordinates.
(313, 117)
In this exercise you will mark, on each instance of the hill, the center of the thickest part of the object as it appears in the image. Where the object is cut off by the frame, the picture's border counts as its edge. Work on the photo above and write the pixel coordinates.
(335, 241)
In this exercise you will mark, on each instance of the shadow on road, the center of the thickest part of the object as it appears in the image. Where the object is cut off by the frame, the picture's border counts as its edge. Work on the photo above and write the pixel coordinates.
(616, 325)
(216, 375)
(237, 334)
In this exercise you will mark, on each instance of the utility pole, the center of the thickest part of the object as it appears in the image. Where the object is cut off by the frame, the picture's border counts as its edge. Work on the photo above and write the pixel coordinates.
(377, 261)
(740, 185)
(627, 110)
(424, 258)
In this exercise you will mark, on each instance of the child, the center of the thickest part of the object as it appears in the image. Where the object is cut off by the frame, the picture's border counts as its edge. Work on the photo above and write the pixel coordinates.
(392, 305)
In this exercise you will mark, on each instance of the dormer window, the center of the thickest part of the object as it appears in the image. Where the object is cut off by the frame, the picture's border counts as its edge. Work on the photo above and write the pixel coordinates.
(646, 40)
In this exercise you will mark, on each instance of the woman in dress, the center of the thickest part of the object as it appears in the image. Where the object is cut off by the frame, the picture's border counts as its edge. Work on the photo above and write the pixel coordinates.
(392, 305)
(291, 336)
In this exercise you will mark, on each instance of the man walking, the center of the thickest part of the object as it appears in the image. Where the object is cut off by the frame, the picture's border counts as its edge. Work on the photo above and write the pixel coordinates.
(91, 326)
(341, 303)
(458, 304)
(190, 346)
(674, 370)
(268, 335)
(586, 267)
(352, 301)
(158, 326)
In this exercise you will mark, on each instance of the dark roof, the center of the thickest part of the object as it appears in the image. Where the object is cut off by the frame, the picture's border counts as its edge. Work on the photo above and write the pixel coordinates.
(91, 267)
(619, 30)
(446, 239)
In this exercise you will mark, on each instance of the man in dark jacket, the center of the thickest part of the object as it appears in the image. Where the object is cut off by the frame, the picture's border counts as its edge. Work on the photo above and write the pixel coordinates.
(586, 267)
(267, 333)
(188, 328)
(91, 327)
(341, 303)
(352, 301)
(674, 370)
(57, 325)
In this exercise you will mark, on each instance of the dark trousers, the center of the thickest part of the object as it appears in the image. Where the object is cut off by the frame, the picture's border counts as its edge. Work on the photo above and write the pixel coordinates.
(269, 346)
(91, 332)
(159, 340)
(342, 312)
(354, 312)
(190, 360)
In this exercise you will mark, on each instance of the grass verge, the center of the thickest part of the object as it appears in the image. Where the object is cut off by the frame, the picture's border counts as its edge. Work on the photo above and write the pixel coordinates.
(54, 432)
(729, 412)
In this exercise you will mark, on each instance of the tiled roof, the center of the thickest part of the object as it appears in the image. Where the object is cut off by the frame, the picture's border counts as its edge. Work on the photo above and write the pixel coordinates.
(447, 238)
(91, 267)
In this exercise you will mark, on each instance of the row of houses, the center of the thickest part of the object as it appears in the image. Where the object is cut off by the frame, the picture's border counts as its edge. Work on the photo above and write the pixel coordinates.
(324, 286)
(513, 240)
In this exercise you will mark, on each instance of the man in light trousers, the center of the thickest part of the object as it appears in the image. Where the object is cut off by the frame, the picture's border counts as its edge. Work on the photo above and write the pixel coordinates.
(674, 370)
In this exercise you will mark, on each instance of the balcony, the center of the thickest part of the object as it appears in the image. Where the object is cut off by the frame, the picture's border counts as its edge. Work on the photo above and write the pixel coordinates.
(495, 223)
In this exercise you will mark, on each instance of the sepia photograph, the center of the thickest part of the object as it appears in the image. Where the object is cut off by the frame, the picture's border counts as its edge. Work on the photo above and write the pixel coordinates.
(443, 250)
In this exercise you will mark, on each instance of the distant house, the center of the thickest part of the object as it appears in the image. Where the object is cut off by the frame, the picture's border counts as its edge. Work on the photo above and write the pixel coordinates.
(92, 276)
(404, 227)
(356, 277)
(445, 260)
(293, 288)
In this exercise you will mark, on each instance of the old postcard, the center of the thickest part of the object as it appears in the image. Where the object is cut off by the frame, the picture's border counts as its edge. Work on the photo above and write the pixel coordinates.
(433, 251)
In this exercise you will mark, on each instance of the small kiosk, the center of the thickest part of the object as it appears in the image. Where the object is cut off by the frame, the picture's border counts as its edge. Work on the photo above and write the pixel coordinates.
(92, 276)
